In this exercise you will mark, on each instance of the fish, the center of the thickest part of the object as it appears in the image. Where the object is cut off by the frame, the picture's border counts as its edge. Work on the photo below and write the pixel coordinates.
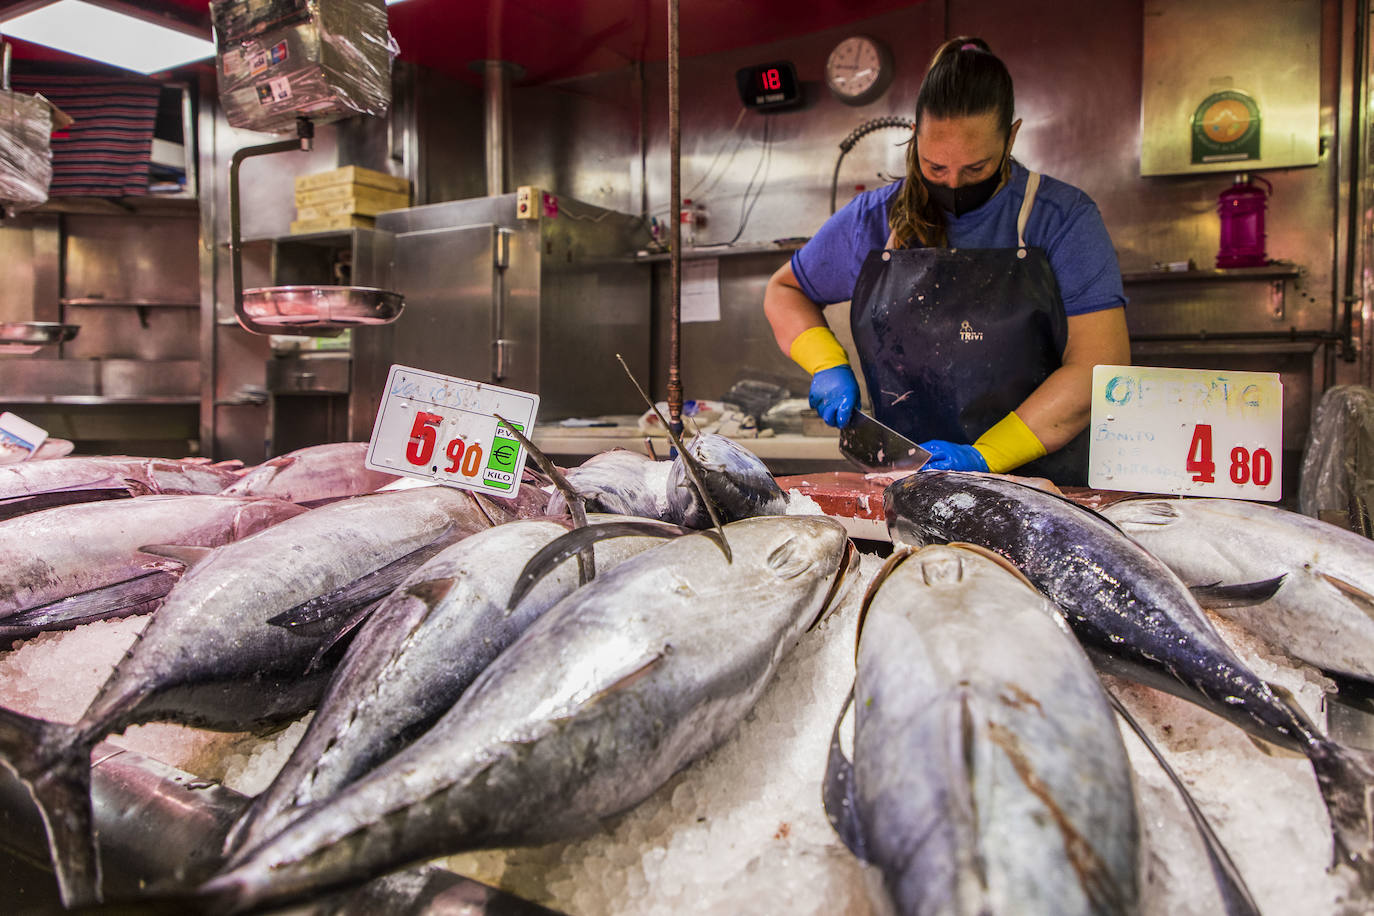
(209, 658)
(618, 686)
(737, 481)
(33, 485)
(1323, 613)
(988, 774)
(620, 482)
(315, 474)
(1136, 619)
(415, 656)
(73, 564)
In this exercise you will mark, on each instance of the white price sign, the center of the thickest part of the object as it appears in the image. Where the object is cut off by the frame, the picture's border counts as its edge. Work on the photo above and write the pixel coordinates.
(1194, 432)
(445, 430)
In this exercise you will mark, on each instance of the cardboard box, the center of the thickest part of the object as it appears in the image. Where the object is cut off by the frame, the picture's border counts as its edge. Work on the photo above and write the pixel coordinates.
(352, 174)
(368, 200)
(332, 223)
(349, 205)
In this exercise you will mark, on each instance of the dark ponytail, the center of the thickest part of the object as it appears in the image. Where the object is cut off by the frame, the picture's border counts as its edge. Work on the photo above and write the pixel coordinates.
(965, 79)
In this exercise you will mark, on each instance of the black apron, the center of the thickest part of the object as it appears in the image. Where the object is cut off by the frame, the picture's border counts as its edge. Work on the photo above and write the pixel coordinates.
(951, 340)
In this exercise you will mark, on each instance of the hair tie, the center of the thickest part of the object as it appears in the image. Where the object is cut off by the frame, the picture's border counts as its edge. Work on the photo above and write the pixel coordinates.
(969, 46)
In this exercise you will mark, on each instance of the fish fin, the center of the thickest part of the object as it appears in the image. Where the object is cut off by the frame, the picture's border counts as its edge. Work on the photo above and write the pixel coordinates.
(1246, 594)
(55, 766)
(346, 629)
(689, 464)
(838, 794)
(120, 599)
(577, 504)
(184, 554)
(848, 563)
(898, 557)
(631, 674)
(1345, 776)
(1235, 894)
(1362, 599)
(1143, 513)
(575, 542)
(785, 561)
(997, 558)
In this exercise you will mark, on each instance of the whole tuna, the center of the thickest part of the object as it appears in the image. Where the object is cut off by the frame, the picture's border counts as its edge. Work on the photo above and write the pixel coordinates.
(317, 474)
(210, 658)
(72, 564)
(33, 485)
(614, 689)
(414, 657)
(618, 481)
(1135, 618)
(738, 483)
(1322, 612)
(988, 772)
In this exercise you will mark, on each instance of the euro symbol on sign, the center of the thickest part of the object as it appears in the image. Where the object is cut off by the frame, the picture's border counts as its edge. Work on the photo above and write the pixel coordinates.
(504, 455)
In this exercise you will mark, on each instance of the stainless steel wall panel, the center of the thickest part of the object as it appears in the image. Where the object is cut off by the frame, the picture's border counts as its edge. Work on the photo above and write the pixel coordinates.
(132, 333)
(119, 258)
(1267, 49)
(42, 376)
(17, 292)
(148, 378)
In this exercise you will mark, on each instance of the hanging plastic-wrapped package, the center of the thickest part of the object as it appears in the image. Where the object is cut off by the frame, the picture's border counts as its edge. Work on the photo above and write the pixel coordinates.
(26, 123)
(282, 59)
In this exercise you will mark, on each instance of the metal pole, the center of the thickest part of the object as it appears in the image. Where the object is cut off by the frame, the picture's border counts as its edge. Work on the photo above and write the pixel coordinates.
(675, 258)
(496, 74)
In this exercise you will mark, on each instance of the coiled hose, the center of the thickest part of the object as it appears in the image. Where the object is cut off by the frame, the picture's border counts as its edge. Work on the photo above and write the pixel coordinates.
(858, 134)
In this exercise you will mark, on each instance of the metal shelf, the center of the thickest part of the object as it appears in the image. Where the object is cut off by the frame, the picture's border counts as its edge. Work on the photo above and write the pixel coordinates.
(88, 400)
(101, 302)
(722, 251)
(1269, 273)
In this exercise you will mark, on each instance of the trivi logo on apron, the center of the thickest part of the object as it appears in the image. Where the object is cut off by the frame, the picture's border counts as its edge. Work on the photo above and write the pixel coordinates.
(967, 333)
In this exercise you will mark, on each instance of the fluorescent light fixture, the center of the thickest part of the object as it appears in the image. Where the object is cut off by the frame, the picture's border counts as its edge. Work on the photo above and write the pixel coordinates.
(102, 34)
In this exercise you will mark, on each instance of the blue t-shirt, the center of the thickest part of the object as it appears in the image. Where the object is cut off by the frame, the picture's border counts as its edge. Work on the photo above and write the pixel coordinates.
(1064, 222)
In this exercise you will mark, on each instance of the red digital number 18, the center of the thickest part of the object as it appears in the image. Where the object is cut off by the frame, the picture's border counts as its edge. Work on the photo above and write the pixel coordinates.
(1255, 467)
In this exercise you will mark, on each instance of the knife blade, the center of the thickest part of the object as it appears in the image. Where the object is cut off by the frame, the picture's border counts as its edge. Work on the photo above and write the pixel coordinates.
(875, 446)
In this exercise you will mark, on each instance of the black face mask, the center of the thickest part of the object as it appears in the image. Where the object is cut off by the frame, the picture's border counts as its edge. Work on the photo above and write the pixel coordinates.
(963, 199)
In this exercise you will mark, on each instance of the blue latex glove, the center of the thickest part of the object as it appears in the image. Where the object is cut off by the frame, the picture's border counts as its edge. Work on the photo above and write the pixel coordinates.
(834, 395)
(950, 456)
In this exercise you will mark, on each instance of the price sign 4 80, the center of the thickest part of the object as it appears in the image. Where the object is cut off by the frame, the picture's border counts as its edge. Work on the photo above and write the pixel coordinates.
(1247, 467)
(424, 438)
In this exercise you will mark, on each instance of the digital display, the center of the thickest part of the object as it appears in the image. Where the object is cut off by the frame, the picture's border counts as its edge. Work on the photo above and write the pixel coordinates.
(768, 85)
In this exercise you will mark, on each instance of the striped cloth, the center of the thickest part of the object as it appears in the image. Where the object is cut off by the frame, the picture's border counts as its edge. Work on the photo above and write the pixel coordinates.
(106, 152)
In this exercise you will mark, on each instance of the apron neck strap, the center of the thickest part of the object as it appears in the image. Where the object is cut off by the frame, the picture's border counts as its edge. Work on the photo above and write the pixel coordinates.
(1032, 185)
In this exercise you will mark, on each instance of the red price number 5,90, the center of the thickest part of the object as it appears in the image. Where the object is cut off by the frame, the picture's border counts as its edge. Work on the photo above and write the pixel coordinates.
(424, 437)
(1255, 467)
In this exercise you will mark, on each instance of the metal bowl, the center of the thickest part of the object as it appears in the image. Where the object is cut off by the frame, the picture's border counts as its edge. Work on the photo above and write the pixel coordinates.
(310, 307)
(24, 338)
(38, 333)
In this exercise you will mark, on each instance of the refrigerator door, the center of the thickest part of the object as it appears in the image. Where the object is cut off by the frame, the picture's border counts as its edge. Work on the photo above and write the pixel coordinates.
(453, 289)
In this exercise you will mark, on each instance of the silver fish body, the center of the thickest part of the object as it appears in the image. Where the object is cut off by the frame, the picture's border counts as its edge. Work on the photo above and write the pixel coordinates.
(618, 481)
(91, 552)
(989, 775)
(613, 690)
(314, 474)
(1136, 619)
(31, 486)
(415, 656)
(209, 657)
(736, 480)
(1323, 613)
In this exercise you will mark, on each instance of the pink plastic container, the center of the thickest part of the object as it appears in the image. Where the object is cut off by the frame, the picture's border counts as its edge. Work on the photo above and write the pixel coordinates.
(1241, 208)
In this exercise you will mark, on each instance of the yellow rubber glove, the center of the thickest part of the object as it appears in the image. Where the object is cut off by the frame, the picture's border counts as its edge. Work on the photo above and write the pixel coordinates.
(816, 349)
(1009, 444)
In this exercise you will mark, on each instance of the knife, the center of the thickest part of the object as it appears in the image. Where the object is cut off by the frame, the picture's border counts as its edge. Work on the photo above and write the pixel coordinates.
(874, 446)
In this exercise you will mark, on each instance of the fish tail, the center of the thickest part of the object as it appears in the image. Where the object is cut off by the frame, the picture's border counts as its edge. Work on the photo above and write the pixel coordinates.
(1346, 778)
(53, 761)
